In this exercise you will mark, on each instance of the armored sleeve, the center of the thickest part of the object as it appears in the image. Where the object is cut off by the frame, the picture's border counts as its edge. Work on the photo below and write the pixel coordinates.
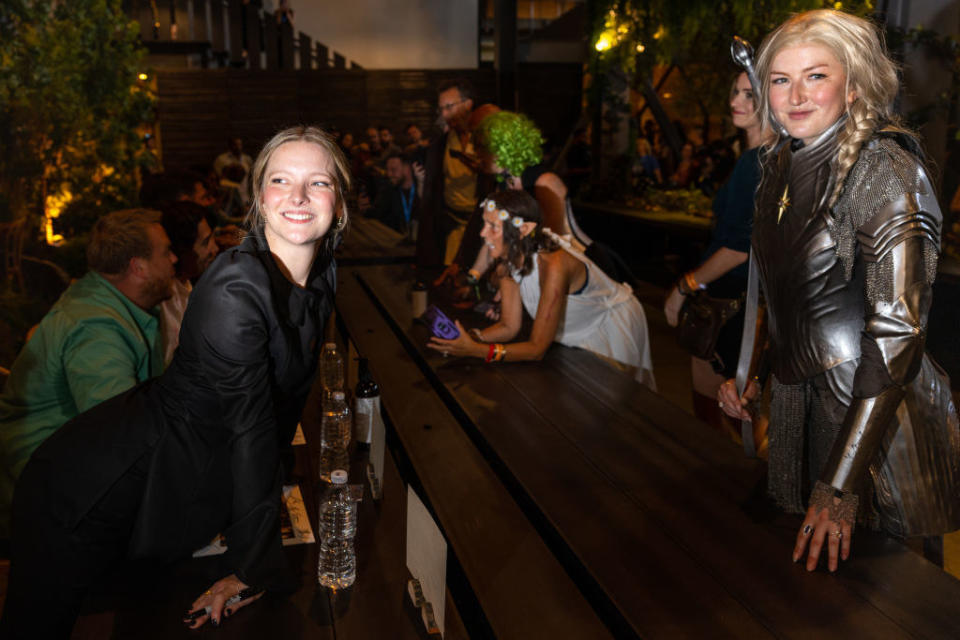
(893, 216)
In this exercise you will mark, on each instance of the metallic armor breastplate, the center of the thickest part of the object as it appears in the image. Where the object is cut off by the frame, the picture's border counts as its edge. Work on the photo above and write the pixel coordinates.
(815, 313)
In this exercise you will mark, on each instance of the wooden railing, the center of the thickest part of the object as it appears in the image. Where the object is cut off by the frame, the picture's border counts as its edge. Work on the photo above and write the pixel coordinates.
(229, 33)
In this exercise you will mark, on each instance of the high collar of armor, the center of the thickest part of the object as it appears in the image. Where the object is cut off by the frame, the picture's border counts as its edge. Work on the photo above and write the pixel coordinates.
(808, 170)
(820, 150)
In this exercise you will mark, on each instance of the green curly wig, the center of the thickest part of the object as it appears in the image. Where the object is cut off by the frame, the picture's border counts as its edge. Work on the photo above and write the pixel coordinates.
(513, 139)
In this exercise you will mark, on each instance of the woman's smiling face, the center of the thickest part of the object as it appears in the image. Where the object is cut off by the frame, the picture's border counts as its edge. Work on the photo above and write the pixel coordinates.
(299, 195)
(492, 232)
(808, 91)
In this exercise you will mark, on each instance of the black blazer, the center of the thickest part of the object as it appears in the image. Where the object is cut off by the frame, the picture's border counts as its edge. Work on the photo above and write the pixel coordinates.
(212, 425)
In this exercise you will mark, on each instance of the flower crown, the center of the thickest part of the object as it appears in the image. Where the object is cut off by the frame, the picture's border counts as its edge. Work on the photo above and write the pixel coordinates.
(502, 214)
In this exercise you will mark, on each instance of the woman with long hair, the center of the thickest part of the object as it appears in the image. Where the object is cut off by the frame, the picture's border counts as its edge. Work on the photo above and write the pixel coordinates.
(846, 239)
(158, 471)
(571, 300)
(723, 272)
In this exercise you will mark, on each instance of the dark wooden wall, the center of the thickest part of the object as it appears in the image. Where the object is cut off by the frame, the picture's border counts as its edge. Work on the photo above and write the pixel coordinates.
(199, 109)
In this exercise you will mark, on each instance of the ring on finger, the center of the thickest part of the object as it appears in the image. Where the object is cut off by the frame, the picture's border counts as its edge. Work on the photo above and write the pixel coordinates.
(837, 534)
(721, 404)
(807, 529)
(208, 592)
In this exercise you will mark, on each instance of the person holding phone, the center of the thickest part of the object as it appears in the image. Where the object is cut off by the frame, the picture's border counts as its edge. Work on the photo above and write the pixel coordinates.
(158, 471)
(572, 301)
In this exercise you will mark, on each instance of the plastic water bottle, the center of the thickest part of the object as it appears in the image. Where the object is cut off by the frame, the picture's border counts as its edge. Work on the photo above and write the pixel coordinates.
(337, 566)
(366, 407)
(335, 427)
(331, 369)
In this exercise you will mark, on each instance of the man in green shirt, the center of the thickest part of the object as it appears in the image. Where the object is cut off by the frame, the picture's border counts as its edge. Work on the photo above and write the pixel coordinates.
(98, 340)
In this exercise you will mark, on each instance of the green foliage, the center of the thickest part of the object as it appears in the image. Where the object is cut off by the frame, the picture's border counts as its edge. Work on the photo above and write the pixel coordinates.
(694, 34)
(513, 139)
(70, 103)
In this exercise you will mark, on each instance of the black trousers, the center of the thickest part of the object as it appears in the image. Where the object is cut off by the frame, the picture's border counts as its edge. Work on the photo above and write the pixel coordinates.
(52, 567)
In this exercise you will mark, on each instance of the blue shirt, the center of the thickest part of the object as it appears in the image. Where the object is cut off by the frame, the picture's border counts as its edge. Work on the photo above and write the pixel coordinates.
(733, 209)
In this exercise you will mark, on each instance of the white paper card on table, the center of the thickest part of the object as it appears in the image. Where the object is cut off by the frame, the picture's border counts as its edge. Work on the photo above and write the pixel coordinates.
(377, 450)
(298, 437)
(295, 527)
(215, 548)
(427, 555)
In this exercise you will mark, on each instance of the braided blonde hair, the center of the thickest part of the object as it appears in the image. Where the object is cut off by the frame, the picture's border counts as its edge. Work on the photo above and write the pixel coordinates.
(872, 77)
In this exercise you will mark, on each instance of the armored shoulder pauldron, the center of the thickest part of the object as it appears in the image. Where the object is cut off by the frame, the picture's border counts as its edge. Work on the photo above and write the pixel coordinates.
(886, 200)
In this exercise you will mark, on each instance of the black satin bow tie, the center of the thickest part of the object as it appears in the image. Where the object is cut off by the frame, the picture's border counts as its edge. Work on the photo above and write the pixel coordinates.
(796, 144)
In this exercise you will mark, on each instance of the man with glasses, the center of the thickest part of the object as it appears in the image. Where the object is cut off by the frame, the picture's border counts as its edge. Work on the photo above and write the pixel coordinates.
(450, 185)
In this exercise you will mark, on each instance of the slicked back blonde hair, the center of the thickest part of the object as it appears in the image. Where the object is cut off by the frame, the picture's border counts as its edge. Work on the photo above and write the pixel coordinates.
(325, 141)
(859, 47)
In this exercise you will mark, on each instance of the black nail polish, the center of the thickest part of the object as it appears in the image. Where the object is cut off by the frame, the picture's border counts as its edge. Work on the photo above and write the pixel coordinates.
(228, 612)
(215, 622)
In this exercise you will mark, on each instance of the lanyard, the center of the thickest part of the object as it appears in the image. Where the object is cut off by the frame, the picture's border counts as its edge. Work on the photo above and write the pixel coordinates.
(407, 204)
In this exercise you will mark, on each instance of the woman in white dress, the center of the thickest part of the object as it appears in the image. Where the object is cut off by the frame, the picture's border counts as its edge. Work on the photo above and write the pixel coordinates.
(572, 301)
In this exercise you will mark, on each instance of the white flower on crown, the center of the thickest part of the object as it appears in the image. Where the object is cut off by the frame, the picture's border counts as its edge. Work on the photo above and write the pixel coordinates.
(517, 221)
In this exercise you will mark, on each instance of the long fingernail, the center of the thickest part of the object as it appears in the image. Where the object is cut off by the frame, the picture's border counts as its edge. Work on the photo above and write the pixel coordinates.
(215, 622)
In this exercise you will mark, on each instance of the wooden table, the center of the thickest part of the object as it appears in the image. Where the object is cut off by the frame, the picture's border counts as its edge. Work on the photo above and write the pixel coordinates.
(657, 245)
(149, 603)
(677, 222)
(369, 241)
(642, 522)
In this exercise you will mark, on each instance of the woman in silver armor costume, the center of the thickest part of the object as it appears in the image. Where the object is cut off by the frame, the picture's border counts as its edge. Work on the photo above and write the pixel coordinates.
(846, 238)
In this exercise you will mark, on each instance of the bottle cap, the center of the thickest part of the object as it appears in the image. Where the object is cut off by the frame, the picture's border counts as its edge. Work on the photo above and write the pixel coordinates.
(338, 477)
(338, 395)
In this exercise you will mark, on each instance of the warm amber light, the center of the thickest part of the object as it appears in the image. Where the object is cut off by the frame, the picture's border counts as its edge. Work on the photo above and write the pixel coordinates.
(641, 48)
(604, 42)
(142, 76)
(53, 206)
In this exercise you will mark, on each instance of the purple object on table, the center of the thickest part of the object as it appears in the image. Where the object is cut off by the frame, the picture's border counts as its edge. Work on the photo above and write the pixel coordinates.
(440, 324)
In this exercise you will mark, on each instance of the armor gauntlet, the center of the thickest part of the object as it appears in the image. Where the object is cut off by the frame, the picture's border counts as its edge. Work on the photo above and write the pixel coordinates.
(897, 247)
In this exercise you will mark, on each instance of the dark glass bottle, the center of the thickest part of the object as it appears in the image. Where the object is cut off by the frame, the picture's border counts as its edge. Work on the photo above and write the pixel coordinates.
(367, 404)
